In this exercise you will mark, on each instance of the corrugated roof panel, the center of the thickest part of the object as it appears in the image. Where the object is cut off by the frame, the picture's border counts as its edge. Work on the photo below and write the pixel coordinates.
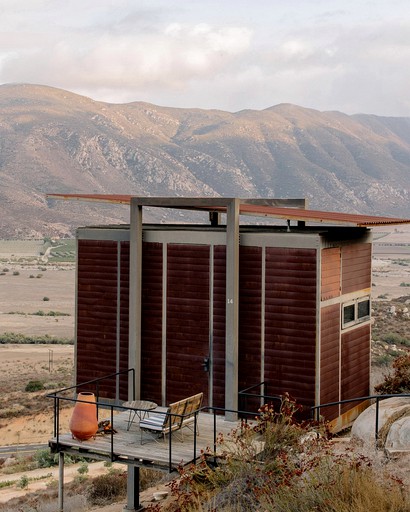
(259, 210)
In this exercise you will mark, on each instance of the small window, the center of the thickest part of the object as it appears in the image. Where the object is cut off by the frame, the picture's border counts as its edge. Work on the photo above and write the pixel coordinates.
(363, 309)
(348, 314)
(355, 311)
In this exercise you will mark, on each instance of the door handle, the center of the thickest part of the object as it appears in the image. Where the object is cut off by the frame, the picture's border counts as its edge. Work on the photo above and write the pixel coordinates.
(205, 364)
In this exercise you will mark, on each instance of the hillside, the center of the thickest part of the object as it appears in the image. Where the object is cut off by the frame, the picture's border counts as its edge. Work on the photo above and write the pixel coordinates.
(54, 141)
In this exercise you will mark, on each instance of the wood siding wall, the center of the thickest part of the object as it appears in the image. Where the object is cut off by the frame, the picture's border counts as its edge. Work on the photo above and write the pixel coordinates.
(151, 322)
(330, 359)
(290, 322)
(330, 286)
(97, 310)
(355, 364)
(219, 316)
(250, 314)
(356, 267)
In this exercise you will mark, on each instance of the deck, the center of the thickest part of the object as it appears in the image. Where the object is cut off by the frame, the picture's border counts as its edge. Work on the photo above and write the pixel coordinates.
(178, 449)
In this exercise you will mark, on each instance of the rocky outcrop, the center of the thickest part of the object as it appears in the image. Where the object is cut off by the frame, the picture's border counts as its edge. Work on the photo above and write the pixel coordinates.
(394, 425)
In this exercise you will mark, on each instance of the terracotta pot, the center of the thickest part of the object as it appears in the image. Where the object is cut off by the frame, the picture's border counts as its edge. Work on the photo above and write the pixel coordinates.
(83, 423)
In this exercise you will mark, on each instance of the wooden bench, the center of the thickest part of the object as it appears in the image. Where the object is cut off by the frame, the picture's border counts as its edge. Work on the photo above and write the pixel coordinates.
(176, 416)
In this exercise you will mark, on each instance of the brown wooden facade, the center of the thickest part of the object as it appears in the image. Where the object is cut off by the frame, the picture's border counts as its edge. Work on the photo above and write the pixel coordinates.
(292, 290)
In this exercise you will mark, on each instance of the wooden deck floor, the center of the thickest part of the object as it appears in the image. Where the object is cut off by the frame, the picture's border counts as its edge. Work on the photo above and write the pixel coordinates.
(126, 445)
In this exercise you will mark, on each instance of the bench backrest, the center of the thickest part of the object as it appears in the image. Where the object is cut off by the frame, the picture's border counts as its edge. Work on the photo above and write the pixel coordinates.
(193, 404)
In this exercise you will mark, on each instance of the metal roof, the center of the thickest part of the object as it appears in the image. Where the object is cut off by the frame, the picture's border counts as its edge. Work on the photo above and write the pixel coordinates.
(254, 207)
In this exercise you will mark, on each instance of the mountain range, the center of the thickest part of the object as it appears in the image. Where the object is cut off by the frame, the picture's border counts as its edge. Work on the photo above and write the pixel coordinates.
(54, 141)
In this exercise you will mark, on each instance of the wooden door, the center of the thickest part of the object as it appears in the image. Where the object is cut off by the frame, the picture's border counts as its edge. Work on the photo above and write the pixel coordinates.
(187, 321)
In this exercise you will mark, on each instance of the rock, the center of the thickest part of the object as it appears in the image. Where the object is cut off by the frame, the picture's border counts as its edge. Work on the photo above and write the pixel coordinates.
(398, 437)
(394, 424)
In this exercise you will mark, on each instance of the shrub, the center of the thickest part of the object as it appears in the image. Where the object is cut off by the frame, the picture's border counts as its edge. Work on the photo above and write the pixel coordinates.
(45, 459)
(34, 385)
(45, 299)
(339, 484)
(13, 337)
(106, 489)
(16, 273)
(395, 339)
(23, 482)
(399, 380)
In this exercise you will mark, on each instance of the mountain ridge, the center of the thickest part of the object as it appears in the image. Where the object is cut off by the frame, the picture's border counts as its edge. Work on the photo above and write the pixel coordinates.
(55, 141)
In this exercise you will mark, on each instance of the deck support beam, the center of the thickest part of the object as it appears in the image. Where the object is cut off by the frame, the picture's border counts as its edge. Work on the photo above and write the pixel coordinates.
(135, 293)
(232, 308)
(133, 489)
(60, 481)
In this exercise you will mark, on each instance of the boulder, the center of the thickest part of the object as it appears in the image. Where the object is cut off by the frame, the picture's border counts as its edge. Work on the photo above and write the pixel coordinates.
(394, 424)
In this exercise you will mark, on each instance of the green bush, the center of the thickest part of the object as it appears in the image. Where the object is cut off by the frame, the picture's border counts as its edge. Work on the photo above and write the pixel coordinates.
(34, 385)
(45, 459)
(45, 299)
(23, 482)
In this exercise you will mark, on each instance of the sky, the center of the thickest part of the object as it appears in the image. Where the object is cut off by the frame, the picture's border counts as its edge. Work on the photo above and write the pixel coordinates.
(346, 55)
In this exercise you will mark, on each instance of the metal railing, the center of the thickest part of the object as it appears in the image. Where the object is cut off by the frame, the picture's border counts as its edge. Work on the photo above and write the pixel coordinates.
(243, 412)
(60, 397)
(373, 398)
(263, 396)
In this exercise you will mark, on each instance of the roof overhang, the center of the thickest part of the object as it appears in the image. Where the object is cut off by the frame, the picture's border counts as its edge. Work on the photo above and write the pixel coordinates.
(287, 209)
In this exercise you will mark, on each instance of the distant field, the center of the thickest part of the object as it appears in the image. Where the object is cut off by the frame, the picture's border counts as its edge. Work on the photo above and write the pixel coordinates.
(37, 287)
(42, 250)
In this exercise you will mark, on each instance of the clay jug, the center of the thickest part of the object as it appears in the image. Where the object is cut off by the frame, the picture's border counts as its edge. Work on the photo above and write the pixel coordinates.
(83, 423)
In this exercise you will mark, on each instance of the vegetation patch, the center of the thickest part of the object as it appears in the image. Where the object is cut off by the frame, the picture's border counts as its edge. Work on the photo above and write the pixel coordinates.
(281, 465)
(11, 337)
(34, 385)
(398, 381)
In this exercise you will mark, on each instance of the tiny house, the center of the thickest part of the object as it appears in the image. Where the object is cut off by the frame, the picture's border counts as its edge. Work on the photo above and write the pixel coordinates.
(221, 307)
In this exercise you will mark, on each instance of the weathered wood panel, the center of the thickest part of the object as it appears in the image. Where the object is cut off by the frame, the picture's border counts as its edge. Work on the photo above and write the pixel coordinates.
(219, 317)
(290, 322)
(330, 359)
(356, 267)
(250, 311)
(97, 311)
(355, 371)
(151, 321)
(330, 273)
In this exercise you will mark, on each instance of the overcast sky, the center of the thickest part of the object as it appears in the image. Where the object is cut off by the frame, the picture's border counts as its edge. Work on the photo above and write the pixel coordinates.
(347, 55)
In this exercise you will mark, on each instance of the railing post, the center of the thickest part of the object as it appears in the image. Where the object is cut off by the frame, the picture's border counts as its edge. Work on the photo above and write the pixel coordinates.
(195, 427)
(170, 443)
(376, 433)
(214, 436)
(60, 481)
(58, 422)
(112, 433)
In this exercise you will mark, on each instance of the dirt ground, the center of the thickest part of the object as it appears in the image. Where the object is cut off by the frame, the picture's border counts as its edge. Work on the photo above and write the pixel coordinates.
(21, 296)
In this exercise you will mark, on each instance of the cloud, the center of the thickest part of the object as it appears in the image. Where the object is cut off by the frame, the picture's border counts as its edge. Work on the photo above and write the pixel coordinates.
(332, 55)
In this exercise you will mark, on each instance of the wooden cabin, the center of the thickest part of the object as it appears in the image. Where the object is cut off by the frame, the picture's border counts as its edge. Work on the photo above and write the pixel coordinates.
(221, 307)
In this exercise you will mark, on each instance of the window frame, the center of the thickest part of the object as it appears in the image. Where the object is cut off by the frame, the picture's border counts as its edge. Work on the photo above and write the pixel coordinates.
(356, 318)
